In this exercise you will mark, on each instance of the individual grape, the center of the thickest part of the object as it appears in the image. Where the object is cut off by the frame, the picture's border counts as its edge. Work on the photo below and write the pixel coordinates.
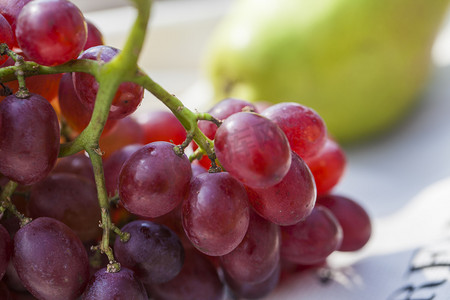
(304, 128)
(43, 85)
(154, 180)
(198, 279)
(221, 111)
(153, 252)
(78, 164)
(6, 36)
(51, 32)
(5, 250)
(215, 215)
(94, 36)
(327, 166)
(254, 290)
(10, 10)
(128, 96)
(75, 114)
(126, 132)
(290, 200)
(70, 199)
(50, 260)
(113, 165)
(253, 149)
(162, 126)
(353, 218)
(258, 255)
(28, 146)
(313, 239)
(120, 285)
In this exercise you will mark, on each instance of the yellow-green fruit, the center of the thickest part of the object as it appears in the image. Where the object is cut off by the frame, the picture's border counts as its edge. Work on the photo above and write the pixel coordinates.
(359, 63)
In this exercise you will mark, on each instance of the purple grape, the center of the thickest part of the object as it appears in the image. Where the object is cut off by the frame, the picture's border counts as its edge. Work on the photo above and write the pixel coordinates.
(215, 215)
(154, 180)
(258, 255)
(78, 164)
(120, 285)
(128, 96)
(198, 279)
(50, 260)
(153, 252)
(197, 169)
(290, 200)
(29, 145)
(254, 290)
(70, 199)
(253, 149)
(313, 239)
(5, 250)
(113, 165)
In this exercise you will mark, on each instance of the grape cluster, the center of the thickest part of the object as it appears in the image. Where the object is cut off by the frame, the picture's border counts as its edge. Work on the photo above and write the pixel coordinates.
(224, 220)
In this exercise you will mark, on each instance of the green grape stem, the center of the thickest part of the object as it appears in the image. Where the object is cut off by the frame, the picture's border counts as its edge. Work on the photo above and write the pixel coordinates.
(6, 204)
(122, 68)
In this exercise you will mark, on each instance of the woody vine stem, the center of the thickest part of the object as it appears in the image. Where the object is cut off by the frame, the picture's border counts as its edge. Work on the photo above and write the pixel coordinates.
(122, 68)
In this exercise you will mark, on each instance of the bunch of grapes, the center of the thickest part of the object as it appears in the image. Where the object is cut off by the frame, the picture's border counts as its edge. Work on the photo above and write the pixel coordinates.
(98, 202)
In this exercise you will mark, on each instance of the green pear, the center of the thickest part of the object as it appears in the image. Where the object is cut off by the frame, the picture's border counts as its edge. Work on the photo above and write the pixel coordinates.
(361, 64)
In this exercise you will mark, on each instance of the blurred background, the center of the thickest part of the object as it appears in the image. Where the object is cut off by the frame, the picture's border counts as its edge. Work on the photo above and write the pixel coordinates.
(377, 71)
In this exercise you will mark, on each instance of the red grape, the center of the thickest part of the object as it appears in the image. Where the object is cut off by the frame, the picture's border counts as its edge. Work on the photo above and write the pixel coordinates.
(73, 111)
(50, 260)
(290, 200)
(128, 96)
(51, 32)
(221, 111)
(198, 279)
(113, 165)
(215, 215)
(258, 255)
(94, 36)
(6, 36)
(29, 145)
(70, 199)
(127, 131)
(120, 285)
(313, 239)
(5, 250)
(253, 149)
(327, 166)
(153, 252)
(162, 126)
(304, 128)
(353, 218)
(154, 180)
(10, 9)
